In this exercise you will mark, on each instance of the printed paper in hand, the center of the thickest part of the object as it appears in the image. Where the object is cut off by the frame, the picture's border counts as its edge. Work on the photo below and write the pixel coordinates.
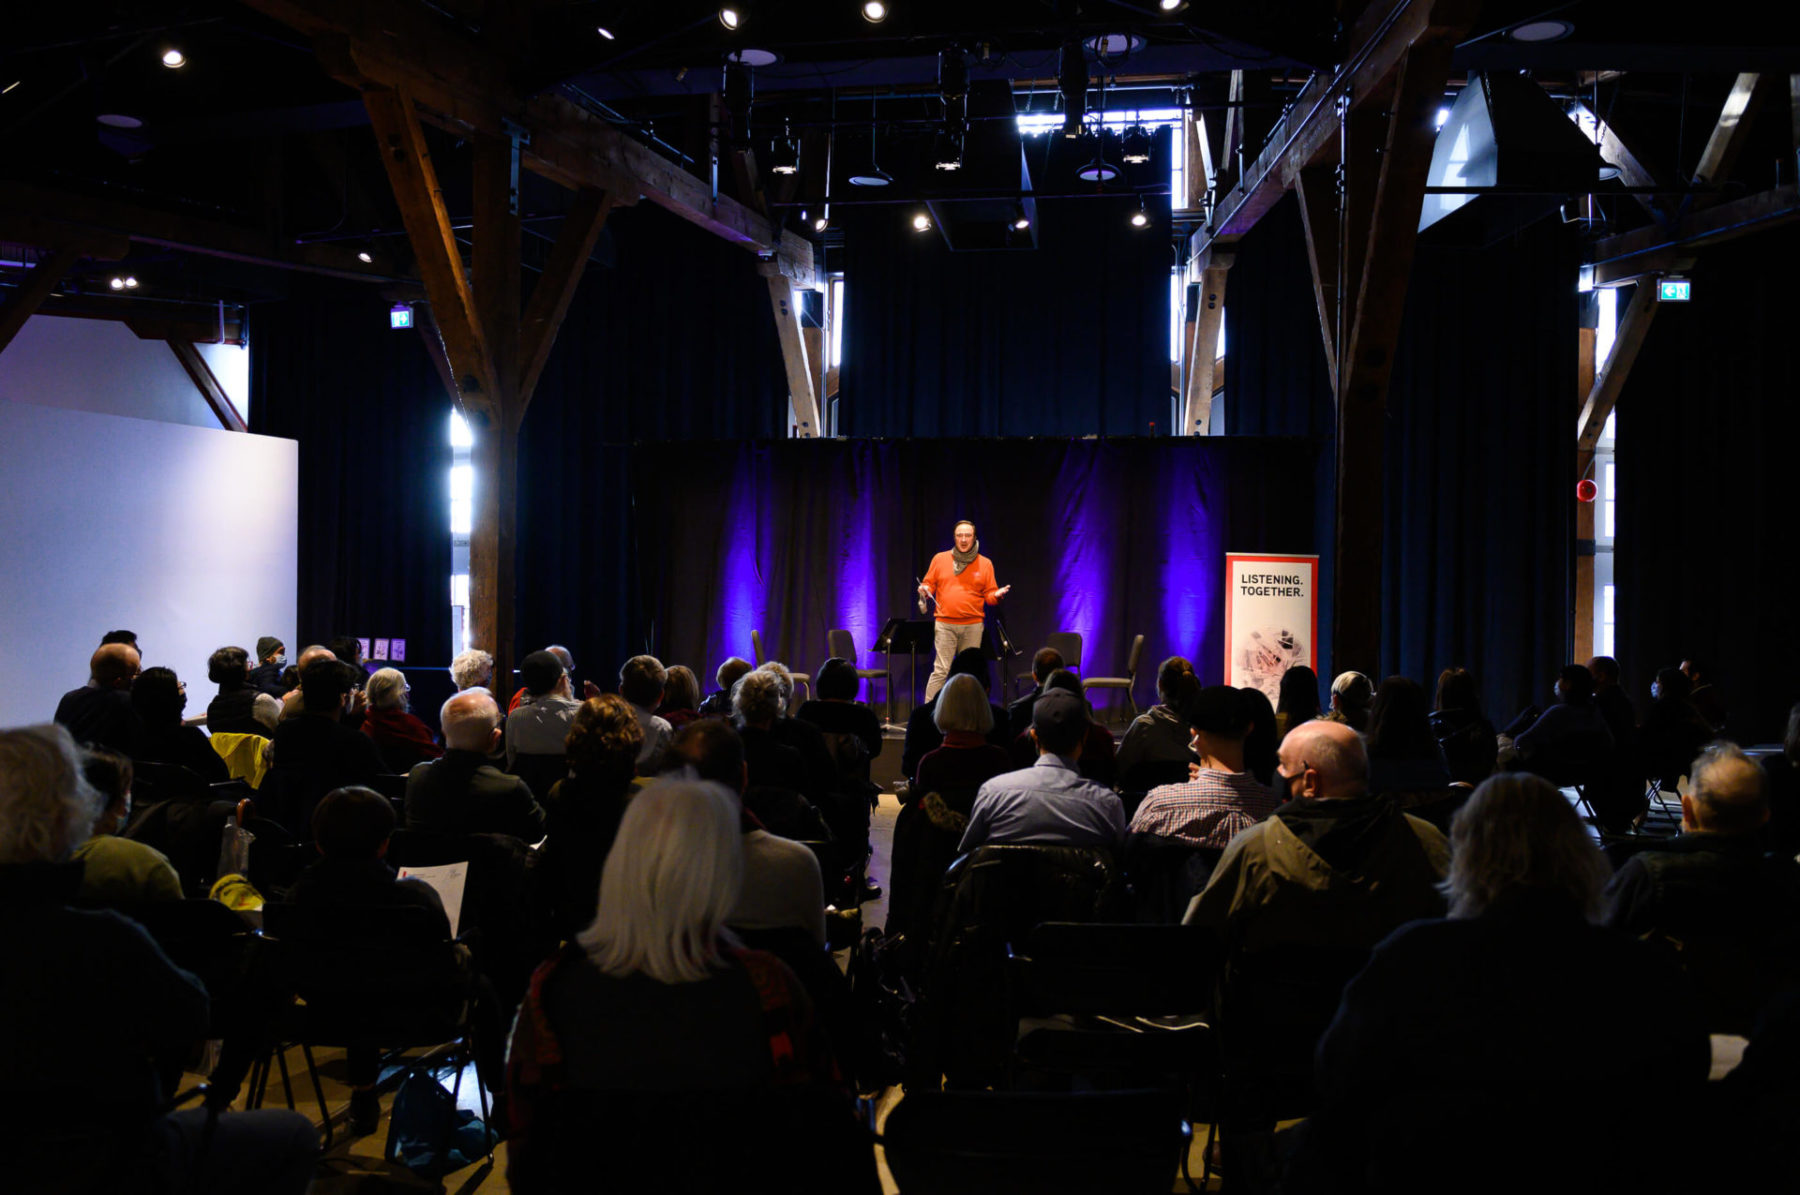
(447, 881)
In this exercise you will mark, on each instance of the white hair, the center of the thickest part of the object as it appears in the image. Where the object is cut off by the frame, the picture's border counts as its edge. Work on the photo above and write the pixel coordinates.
(266, 709)
(669, 883)
(469, 719)
(386, 689)
(778, 669)
(1516, 834)
(473, 668)
(47, 807)
(963, 705)
(758, 697)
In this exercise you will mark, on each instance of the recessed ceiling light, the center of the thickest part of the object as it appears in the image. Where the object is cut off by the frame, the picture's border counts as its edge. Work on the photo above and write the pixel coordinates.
(754, 57)
(1171, 5)
(117, 283)
(1541, 31)
(1098, 171)
(364, 257)
(731, 16)
(921, 222)
(119, 120)
(174, 59)
(1111, 45)
(603, 31)
(874, 12)
(130, 282)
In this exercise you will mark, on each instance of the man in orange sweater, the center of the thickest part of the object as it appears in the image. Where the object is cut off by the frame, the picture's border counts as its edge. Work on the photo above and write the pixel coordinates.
(961, 581)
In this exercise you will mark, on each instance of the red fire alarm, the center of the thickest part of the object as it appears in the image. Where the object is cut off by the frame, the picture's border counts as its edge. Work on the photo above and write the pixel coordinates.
(1586, 490)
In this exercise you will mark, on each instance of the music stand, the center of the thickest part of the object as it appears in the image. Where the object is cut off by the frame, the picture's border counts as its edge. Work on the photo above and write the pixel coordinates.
(912, 637)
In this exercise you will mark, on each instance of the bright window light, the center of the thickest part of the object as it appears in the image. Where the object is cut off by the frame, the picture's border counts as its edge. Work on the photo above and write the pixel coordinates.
(837, 322)
(460, 435)
(1608, 328)
(459, 589)
(462, 499)
(1036, 124)
(1177, 317)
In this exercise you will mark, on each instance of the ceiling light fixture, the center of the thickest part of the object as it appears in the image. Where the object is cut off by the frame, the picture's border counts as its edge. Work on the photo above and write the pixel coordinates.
(921, 222)
(823, 220)
(1098, 171)
(366, 257)
(1020, 221)
(1072, 81)
(131, 282)
(1137, 145)
(117, 283)
(874, 176)
(10, 86)
(1608, 171)
(173, 58)
(119, 120)
(731, 16)
(1171, 5)
(603, 31)
(874, 12)
(1141, 217)
(949, 155)
(1541, 31)
(785, 157)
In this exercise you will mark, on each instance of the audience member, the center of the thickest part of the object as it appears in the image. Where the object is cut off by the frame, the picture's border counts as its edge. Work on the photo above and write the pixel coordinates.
(567, 658)
(823, 783)
(1050, 801)
(1351, 694)
(836, 711)
(1299, 699)
(582, 812)
(783, 885)
(718, 705)
(240, 707)
(292, 698)
(100, 711)
(1611, 700)
(922, 734)
(1707, 700)
(1672, 733)
(1099, 757)
(313, 750)
(472, 669)
(1566, 743)
(271, 660)
(116, 870)
(158, 698)
(776, 781)
(967, 760)
(1221, 798)
(1261, 744)
(462, 793)
(1467, 740)
(1404, 759)
(655, 1001)
(681, 697)
(1784, 790)
(128, 638)
(539, 725)
(1334, 866)
(1156, 748)
(93, 1119)
(1456, 1024)
(1018, 713)
(642, 682)
(401, 737)
(1729, 910)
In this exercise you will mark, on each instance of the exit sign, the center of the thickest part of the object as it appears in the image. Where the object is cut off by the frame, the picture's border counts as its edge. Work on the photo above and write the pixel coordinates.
(1674, 290)
(400, 315)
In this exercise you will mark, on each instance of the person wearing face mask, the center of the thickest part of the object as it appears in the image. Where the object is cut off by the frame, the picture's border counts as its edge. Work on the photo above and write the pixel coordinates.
(116, 870)
(271, 659)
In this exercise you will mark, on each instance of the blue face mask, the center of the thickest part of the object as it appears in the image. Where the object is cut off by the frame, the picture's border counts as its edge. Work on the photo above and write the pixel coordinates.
(281, 660)
(124, 816)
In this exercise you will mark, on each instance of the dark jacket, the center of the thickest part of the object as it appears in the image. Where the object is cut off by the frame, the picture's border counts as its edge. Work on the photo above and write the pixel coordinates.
(232, 712)
(845, 717)
(923, 736)
(1468, 742)
(103, 717)
(186, 746)
(581, 819)
(463, 793)
(1566, 742)
(266, 678)
(365, 883)
(312, 756)
(815, 756)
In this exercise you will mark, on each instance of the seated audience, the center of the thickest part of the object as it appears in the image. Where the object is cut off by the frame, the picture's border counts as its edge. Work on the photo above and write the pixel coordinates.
(539, 725)
(642, 682)
(1729, 910)
(1611, 700)
(718, 705)
(462, 793)
(783, 885)
(567, 658)
(292, 699)
(271, 661)
(1049, 802)
(116, 870)
(472, 669)
(158, 698)
(823, 783)
(1458, 1024)
(776, 780)
(922, 734)
(967, 760)
(313, 751)
(240, 707)
(1566, 743)
(1221, 799)
(1351, 694)
(1157, 747)
(681, 697)
(1707, 700)
(1404, 759)
(401, 737)
(655, 1003)
(93, 1119)
(100, 711)
(1099, 757)
(1018, 713)
(836, 711)
(1261, 744)
(1467, 740)
(1332, 867)
(1672, 733)
(1299, 699)
(582, 812)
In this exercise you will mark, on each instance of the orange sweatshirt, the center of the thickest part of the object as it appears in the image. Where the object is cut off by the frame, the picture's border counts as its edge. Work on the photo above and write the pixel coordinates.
(960, 600)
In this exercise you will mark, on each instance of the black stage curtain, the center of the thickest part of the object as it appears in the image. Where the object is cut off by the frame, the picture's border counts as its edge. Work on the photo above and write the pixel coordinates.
(1111, 538)
(1706, 427)
(675, 341)
(1071, 339)
(1277, 381)
(372, 420)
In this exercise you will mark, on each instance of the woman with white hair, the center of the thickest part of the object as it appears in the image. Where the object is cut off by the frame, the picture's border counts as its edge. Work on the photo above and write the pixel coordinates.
(655, 1031)
(401, 737)
(473, 669)
(1517, 1003)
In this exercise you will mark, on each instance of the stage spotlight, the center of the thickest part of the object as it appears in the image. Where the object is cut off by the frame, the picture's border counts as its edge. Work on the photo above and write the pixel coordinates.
(785, 158)
(173, 58)
(953, 74)
(1020, 220)
(822, 221)
(1171, 5)
(603, 31)
(738, 94)
(731, 16)
(1072, 81)
(1098, 171)
(921, 222)
(949, 153)
(365, 257)
(1141, 217)
(1137, 145)
(874, 12)
(117, 283)
(131, 282)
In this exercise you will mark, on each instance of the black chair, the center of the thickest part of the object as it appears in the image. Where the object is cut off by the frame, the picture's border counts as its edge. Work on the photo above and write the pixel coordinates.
(1127, 682)
(502, 920)
(187, 829)
(541, 773)
(1067, 644)
(1165, 875)
(393, 787)
(987, 1142)
(1274, 1005)
(842, 644)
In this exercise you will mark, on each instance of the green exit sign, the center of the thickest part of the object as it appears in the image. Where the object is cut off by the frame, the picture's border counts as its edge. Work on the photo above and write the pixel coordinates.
(1674, 290)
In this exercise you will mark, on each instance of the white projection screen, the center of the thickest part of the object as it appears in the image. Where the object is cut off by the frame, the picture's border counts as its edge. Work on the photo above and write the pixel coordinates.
(186, 535)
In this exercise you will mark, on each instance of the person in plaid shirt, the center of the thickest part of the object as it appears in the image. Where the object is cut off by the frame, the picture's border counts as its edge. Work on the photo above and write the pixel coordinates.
(1220, 798)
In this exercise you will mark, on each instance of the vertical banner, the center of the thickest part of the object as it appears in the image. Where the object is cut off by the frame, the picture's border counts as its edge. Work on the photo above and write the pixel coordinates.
(1271, 619)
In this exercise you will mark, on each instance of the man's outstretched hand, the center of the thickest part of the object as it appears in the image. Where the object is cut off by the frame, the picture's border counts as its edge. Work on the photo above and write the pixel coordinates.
(1002, 591)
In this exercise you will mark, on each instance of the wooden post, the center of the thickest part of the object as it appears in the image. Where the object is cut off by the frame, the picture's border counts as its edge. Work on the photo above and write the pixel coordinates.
(34, 290)
(1728, 136)
(493, 538)
(201, 374)
(1203, 354)
(1583, 631)
(1604, 394)
(1316, 190)
(803, 403)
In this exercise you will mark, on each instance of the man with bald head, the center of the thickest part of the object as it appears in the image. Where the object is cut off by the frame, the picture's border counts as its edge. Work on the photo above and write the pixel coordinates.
(1716, 894)
(1333, 867)
(462, 793)
(100, 711)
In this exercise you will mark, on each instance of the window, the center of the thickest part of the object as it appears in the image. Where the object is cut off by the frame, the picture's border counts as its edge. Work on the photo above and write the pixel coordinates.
(837, 321)
(462, 519)
(1606, 530)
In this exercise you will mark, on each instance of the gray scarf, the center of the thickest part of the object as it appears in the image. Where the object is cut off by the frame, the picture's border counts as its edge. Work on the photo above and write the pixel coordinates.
(964, 559)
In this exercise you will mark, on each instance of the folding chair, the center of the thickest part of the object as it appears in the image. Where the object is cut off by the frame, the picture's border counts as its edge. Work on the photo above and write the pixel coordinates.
(842, 644)
(801, 679)
(1126, 682)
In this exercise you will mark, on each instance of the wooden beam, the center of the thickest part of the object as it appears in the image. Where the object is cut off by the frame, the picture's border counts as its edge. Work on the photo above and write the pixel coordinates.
(1632, 171)
(1232, 151)
(1582, 630)
(207, 384)
(24, 302)
(1199, 159)
(1601, 400)
(1728, 135)
(1654, 249)
(802, 399)
(1367, 360)
(556, 286)
(1316, 189)
(1203, 356)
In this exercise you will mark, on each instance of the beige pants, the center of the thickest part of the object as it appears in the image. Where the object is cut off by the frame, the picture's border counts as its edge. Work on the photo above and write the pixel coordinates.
(951, 639)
